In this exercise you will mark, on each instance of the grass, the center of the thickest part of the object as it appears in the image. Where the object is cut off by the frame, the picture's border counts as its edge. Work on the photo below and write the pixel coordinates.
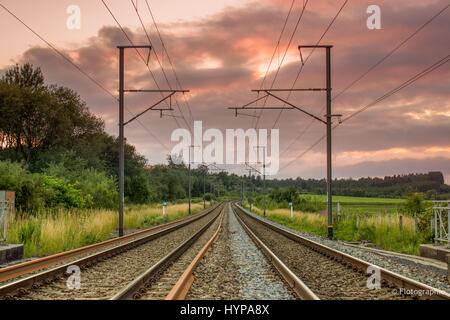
(50, 233)
(381, 230)
(364, 204)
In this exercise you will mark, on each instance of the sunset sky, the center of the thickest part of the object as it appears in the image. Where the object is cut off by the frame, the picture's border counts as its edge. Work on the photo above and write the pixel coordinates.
(221, 50)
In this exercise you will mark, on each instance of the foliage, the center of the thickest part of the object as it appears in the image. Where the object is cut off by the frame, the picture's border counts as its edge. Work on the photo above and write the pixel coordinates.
(58, 193)
(381, 230)
(28, 187)
(47, 132)
(415, 205)
(66, 229)
(431, 183)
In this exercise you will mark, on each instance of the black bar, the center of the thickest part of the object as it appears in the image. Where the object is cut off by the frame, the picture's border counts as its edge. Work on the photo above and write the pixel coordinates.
(329, 118)
(137, 47)
(121, 138)
(299, 89)
(261, 108)
(153, 90)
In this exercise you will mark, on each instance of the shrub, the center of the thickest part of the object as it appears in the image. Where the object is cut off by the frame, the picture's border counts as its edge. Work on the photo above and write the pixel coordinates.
(60, 193)
(416, 205)
(97, 188)
(28, 187)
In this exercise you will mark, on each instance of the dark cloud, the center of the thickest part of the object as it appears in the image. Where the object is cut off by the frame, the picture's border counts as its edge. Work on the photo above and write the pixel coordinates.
(240, 42)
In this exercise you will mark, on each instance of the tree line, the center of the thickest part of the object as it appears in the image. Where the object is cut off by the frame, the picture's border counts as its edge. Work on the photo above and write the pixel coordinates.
(431, 184)
(55, 153)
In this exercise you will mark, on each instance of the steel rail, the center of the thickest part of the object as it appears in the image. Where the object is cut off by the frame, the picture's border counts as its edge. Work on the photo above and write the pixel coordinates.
(297, 285)
(138, 287)
(387, 277)
(30, 266)
(184, 283)
(20, 286)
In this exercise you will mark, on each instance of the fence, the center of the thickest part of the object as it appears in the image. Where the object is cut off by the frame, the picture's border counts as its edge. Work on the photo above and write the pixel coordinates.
(391, 220)
(7, 207)
(441, 221)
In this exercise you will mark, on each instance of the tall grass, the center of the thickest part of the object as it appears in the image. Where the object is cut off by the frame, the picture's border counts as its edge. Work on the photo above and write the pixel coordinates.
(381, 230)
(53, 232)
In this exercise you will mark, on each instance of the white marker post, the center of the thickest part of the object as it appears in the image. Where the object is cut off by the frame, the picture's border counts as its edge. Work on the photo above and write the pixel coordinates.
(339, 211)
(164, 208)
(292, 211)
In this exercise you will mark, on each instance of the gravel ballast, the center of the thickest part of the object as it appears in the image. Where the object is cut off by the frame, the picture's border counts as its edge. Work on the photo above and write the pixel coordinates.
(430, 275)
(105, 278)
(236, 269)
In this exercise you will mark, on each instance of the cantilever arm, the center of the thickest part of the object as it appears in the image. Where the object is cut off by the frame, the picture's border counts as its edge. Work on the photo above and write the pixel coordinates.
(149, 108)
(294, 106)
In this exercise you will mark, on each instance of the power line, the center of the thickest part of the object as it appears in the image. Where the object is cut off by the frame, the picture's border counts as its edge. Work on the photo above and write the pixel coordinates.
(391, 52)
(405, 84)
(276, 48)
(306, 60)
(158, 61)
(60, 53)
(284, 56)
(169, 59)
(370, 69)
(77, 67)
(140, 55)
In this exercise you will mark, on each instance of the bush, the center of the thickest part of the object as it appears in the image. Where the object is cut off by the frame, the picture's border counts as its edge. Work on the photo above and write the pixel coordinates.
(416, 205)
(97, 189)
(307, 203)
(58, 186)
(209, 196)
(28, 187)
(59, 193)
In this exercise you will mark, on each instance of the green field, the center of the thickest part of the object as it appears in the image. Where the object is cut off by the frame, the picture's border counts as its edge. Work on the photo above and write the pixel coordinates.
(364, 205)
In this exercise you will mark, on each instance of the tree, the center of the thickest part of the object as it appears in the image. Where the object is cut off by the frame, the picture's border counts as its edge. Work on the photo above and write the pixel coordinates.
(38, 117)
(24, 77)
(415, 205)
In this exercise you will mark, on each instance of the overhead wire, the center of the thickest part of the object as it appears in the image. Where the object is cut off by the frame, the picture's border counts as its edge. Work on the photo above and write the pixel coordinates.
(168, 58)
(400, 87)
(67, 59)
(159, 62)
(275, 50)
(294, 31)
(385, 57)
(141, 57)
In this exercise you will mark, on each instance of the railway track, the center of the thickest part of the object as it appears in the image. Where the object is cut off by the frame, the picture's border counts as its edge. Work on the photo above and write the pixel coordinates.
(236, 269)
(169, 278)
(103, 272)
(315, 271)
(160, 262)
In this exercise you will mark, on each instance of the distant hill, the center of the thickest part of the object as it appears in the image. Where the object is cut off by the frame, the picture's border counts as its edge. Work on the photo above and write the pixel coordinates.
(431, 184)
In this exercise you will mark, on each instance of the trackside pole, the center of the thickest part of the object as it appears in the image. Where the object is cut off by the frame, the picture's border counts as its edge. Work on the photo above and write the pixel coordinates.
(121, 139)
(292, 211)
(329, 173)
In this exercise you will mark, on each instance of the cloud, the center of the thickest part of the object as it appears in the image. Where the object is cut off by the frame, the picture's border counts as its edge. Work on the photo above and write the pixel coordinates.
(222, 56)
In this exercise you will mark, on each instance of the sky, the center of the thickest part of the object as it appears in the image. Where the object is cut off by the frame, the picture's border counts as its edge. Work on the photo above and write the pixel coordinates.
(220, 51)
